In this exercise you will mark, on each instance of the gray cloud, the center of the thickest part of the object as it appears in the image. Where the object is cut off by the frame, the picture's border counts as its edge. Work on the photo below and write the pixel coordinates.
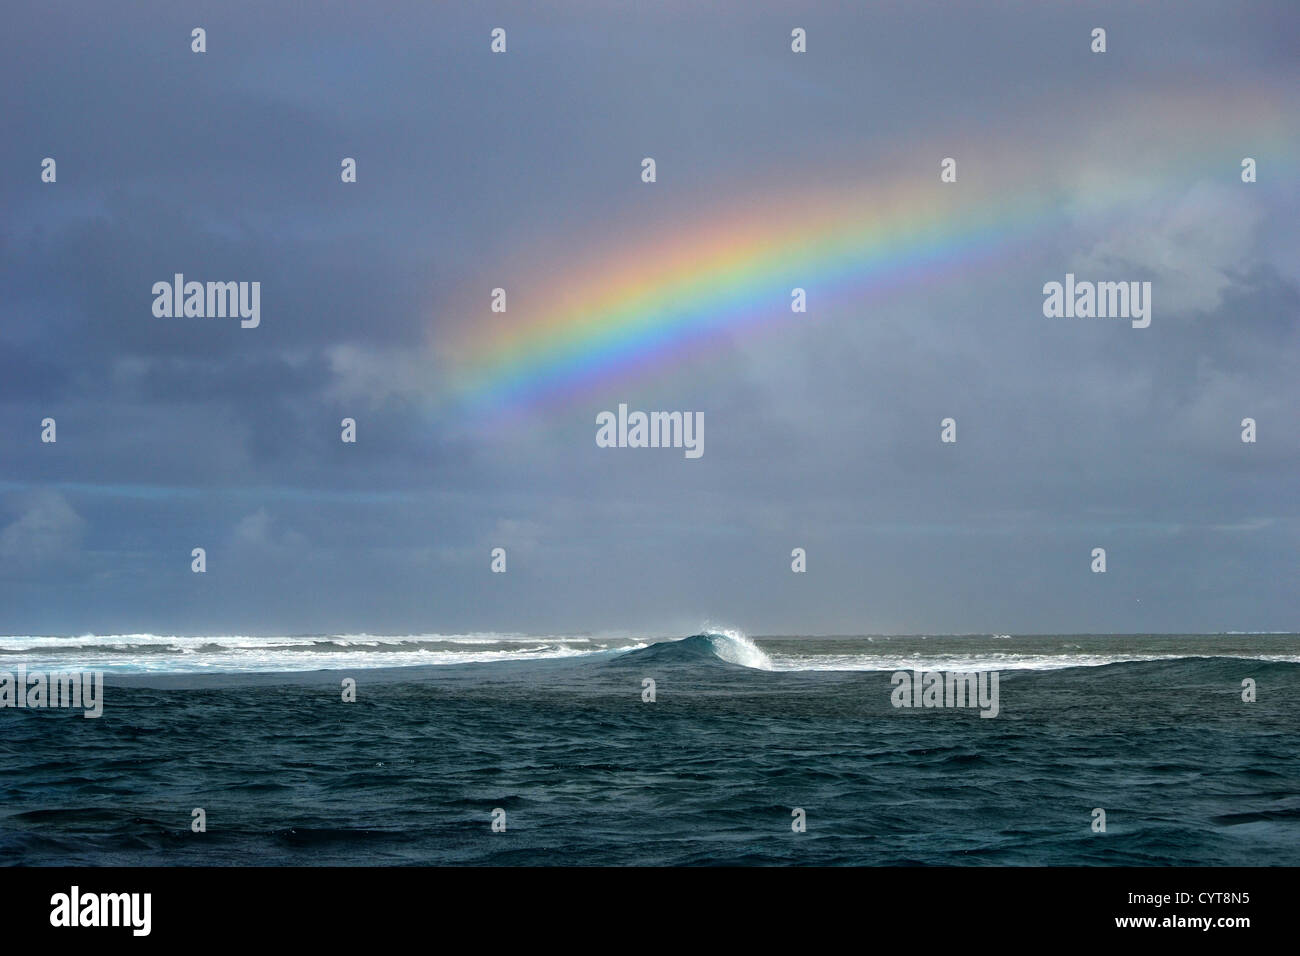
(822, 431)
(47, 530)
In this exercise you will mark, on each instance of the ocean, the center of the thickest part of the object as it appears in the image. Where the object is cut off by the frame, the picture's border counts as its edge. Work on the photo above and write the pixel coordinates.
(555, 750)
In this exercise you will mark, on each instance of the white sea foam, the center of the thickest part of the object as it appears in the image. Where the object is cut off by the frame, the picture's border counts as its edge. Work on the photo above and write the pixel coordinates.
(981, 662)
(159, 653)
(732, 645)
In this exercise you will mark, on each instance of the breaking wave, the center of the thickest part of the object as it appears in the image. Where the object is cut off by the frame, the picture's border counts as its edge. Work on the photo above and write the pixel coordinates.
(153, 653)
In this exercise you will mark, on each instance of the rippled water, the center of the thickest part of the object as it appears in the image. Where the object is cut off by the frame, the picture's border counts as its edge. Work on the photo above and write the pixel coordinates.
(555, 732)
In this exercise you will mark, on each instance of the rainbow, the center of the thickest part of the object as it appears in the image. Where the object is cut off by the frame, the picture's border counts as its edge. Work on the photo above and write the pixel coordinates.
(613, 317)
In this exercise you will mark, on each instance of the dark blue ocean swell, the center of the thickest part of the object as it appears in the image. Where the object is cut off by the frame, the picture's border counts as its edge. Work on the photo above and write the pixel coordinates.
(588, 773)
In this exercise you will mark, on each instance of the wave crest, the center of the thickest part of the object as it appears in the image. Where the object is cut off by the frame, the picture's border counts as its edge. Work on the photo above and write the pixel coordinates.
(735, 647)
(728, 646)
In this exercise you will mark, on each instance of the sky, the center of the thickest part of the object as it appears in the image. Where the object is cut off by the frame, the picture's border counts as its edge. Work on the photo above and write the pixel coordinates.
(774, 170)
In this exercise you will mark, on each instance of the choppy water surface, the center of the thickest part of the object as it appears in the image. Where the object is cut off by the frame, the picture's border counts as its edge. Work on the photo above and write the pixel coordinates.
(554, 730)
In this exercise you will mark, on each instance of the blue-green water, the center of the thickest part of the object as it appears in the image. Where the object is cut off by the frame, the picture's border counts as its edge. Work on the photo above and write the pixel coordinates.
(556, 733)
